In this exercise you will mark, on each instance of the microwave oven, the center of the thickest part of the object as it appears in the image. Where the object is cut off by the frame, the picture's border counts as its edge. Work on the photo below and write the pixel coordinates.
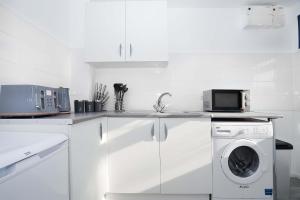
(224, 100)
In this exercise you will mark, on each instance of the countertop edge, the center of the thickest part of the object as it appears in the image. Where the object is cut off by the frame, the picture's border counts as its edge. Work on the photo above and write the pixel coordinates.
(71, 119)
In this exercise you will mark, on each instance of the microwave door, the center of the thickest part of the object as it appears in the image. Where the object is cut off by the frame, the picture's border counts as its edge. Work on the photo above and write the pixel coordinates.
(229, 100)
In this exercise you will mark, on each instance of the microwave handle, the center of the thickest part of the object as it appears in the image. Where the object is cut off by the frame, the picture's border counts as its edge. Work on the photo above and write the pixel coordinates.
(243, 100)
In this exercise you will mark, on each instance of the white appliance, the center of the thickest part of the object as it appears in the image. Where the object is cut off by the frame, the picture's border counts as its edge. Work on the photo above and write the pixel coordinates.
(242, 160)
(264, 17)
(33, 166)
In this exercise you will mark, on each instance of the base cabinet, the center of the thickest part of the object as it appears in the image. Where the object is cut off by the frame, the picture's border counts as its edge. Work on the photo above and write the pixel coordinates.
(88, 177)
(186, 157)
(159, 156)
(133, 160)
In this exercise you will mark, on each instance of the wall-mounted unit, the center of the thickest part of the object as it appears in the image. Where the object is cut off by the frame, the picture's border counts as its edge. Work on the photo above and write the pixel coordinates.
(126, 31)
(261, 17)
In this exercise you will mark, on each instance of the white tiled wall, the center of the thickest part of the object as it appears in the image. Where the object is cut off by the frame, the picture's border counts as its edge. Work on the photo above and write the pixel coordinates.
(29, 55)
(82, 76)
(268, 76)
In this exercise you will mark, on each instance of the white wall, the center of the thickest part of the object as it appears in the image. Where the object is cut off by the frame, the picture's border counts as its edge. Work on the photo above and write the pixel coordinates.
(215, 30)
(51, 16)
(28, 55)
(59, 23)
(268, 76)
(209, 49)
(77, 23)
(82, 77)
(82, 74)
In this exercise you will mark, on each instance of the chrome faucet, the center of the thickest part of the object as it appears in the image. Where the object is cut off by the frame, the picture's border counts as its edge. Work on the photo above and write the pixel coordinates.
(159, 107)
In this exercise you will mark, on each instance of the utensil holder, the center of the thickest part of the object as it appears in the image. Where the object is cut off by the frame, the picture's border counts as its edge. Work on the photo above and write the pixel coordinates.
(79, 106)
(89, 106)
(98, 107)
(119, 106)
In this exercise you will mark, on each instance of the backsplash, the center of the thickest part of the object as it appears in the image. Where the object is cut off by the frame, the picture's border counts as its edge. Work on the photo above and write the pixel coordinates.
(268, 76)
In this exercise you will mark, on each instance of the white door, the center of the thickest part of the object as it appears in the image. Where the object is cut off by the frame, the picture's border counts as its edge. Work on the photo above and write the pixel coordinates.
(244, 162)
(186, 156)
(88, 160)
(105, 31)
(146, 30)
(133, 163)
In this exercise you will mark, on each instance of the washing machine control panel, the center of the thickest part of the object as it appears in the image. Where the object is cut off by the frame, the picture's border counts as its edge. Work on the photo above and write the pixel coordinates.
(242, 130)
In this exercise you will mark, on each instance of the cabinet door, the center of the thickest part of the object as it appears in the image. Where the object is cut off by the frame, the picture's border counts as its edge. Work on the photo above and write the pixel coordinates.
(105, 31)
(146, 30)
(186, 156)
(88, 173)
(134, 165)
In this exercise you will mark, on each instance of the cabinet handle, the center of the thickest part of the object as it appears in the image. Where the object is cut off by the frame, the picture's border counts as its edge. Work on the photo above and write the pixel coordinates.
(152, 131)
(100, 133)
(130, 49)
(166, 131)
(120, 50)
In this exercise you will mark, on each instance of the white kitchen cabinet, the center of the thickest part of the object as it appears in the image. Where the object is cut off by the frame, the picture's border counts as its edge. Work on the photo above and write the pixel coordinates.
(88, 169)
(133, 161)
(110, 157)
(186, 157)
(146, 31)
(126, 31)
(105, 31)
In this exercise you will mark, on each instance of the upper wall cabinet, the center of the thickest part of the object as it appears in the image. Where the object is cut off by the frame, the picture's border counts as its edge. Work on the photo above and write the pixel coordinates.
(105, 31)
(146, 31)
(132, 31)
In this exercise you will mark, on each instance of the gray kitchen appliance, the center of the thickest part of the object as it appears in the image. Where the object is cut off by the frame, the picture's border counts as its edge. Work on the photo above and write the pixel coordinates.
(224, 100)
(28, 100)
(63, 100)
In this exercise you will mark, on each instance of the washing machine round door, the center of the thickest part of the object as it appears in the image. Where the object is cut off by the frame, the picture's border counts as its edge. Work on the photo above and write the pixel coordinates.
(243, 161)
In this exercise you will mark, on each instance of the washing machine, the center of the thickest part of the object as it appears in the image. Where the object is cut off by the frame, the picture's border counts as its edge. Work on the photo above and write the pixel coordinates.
(242, 160)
